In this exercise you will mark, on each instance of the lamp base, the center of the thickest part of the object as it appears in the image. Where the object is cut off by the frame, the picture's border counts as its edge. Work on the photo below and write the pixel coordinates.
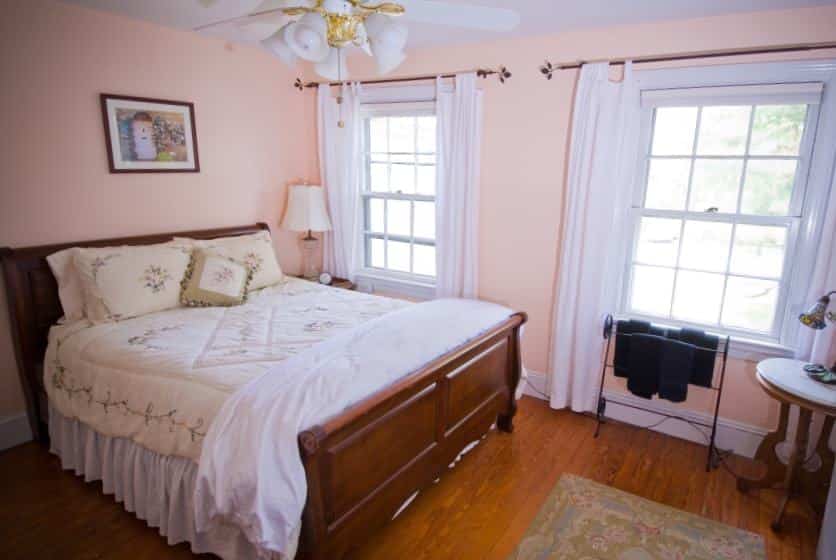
(310, 263)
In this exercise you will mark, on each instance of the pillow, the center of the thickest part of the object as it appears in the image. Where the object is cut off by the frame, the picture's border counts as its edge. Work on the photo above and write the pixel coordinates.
(213, 280)
(254, 251)
(128, 281)
(70, 289)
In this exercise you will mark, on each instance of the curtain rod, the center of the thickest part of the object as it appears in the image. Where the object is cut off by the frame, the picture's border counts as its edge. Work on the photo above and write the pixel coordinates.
(548, 68)
(502, 72)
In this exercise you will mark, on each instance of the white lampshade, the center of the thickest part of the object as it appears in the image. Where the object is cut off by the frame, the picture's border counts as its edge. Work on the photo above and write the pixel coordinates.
(306, 209)
(387, 39)
(334, 66)
(308, 37)
(277, 44)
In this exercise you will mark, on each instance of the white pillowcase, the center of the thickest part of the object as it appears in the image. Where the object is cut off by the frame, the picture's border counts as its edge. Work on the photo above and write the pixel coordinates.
(128, 281)
(255, 251)
(70, 289)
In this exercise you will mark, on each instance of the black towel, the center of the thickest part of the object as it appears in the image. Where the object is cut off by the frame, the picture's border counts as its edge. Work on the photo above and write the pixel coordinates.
(643, 364)
(623, 332)
(675, 368)
(702, 372)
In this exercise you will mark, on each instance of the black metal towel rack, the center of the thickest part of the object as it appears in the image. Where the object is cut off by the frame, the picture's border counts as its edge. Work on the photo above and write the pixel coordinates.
(721, 351)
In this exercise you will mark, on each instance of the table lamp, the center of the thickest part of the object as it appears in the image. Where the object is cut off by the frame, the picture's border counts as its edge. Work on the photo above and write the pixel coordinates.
(306, 212)
(816, 318)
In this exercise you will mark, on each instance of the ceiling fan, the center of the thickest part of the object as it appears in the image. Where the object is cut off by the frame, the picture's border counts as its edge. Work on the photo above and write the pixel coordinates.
(320, 31)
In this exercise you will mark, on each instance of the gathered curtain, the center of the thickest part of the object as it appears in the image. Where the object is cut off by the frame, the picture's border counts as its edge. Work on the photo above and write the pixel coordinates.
(601, 169)
(820, 347)
(459, 132)
(341, 169)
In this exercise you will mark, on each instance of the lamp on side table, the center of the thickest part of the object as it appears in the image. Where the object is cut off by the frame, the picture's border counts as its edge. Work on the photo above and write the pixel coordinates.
(306, 212)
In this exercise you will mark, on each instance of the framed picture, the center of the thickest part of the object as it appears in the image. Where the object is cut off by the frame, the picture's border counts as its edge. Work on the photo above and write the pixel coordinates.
(146, 135)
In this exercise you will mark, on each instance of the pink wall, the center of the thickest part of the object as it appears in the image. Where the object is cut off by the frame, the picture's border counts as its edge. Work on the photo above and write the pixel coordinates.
(526, 132)
(254, 135)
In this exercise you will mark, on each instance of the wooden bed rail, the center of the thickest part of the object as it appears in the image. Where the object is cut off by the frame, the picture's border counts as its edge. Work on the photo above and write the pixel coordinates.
(362, 465)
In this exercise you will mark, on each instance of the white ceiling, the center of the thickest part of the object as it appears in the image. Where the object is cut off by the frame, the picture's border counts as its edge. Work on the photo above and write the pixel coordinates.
(538, 17)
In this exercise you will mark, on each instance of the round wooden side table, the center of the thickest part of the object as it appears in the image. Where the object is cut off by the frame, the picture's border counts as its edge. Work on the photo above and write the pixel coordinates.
(797, 475)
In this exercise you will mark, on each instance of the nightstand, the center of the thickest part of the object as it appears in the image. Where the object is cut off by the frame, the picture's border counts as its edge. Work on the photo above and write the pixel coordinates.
(789, 468)
(343, 283)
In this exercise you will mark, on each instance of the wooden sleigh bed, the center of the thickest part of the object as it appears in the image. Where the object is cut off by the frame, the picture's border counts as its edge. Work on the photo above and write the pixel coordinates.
(413, 429)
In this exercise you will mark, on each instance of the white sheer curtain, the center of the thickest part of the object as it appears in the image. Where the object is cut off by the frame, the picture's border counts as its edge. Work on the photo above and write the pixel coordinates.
(341, 168)
(459, 114)
(598, 193)
(820, 347)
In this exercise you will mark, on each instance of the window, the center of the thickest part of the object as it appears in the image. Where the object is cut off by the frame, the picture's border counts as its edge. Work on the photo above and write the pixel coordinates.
(718, 205)
(399, 190)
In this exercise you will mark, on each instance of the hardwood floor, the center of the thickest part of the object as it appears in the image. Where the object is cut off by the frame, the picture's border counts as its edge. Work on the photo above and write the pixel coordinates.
(480, 509)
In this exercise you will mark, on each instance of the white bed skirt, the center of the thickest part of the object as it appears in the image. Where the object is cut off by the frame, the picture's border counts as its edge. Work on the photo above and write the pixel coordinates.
(158, 489)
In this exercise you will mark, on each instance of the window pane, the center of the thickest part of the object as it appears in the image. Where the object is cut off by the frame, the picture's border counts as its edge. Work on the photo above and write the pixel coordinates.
(398, 254)
(379, 179)
(651, 290)
(667, 183)
(425, 220)
(715, 185)
(673, 131)
(705, 245)
(403, 158)
(759, 250)
(403, 178)
(424, 259)
(426, 135)
(750, 303)
(377, 135)
(402, 134)
(777, 130)
(428, 159)
(426, 179)
(723, 131)
(397, 218)
(768, 186)
(658, 241)
(376, 215)
(376, 257)
(698, 296)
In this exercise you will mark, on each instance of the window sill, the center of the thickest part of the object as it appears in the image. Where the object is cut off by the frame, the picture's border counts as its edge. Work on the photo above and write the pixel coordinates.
(377, 282)
(757, 350)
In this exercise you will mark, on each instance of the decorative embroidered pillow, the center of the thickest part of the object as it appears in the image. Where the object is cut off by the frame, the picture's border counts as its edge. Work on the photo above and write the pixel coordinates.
(213, 280)
(254, 251)
(128, 281)
(70, 289)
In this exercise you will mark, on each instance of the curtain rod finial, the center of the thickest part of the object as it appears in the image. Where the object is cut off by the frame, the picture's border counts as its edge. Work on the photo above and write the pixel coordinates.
(502, 73)
(548, 70)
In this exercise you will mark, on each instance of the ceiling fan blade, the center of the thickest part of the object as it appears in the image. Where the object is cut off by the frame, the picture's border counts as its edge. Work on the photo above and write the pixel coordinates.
(460, 15)
(246, 29)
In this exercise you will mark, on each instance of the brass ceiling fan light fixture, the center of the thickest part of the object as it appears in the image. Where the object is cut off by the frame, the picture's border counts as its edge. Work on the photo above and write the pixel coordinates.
(321, 31)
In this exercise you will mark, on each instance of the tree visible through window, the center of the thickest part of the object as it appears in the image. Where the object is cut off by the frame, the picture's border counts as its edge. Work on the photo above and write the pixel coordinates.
(721, 197)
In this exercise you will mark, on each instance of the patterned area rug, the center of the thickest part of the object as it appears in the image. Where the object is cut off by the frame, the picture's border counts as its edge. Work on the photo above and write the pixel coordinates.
(584, 520)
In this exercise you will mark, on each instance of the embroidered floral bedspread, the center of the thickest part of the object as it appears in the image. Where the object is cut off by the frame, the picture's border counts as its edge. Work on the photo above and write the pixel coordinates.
(160, 379)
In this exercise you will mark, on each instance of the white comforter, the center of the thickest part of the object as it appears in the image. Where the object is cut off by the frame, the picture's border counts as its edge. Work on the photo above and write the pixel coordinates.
(258, 482)
(160, 379)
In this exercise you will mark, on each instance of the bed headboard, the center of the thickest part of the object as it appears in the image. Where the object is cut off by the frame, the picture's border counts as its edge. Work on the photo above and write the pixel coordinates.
(34, 305)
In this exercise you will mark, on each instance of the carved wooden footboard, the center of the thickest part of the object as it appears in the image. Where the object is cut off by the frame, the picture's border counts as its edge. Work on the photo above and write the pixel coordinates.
(363, 465)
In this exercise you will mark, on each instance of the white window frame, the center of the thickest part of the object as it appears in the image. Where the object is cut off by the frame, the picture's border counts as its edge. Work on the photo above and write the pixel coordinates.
(806, 208)
(373, 279)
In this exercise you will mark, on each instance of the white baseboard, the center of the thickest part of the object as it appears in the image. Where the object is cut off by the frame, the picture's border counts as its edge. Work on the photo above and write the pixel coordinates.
(741, 438)
(14, 430)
